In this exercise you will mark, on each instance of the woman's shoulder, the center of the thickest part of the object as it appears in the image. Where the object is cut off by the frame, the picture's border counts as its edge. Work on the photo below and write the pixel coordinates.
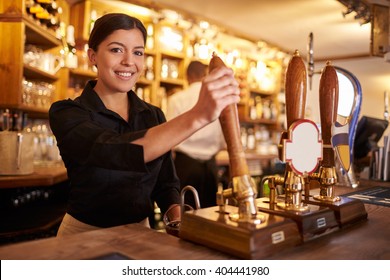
(63, 104)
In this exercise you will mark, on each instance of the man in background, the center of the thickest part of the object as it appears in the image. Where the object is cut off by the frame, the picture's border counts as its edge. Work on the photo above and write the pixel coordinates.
(195, 157)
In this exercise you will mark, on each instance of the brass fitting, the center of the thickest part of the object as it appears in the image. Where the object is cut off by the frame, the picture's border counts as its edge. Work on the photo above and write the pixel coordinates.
(244, 192)
(327, 177)
(294, 185)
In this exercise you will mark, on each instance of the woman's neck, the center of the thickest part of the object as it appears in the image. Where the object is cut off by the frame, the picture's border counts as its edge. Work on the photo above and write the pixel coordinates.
(116, 102)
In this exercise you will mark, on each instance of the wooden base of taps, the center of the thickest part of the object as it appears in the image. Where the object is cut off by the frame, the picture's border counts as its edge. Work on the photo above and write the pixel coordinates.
(211, 228)
(315, 222)
(347, 210)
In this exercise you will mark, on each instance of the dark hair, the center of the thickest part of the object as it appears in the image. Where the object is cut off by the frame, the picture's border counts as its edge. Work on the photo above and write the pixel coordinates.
(109, 23)
(196, 70)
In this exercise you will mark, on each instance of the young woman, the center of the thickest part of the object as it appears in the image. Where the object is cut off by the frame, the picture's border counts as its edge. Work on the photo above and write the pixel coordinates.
(116, 147)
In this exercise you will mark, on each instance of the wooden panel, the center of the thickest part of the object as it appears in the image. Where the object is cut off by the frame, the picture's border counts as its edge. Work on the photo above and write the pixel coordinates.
(379, 30)
(80, 19)
(12, 6)
(11, 62)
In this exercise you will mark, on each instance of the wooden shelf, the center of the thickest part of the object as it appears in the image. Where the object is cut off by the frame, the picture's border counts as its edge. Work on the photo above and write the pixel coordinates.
(172, 55)
(35, 73)
(171, 81)
(39, 35)
(35, 34)
(83, 73)
(259, 121)
(260, 92)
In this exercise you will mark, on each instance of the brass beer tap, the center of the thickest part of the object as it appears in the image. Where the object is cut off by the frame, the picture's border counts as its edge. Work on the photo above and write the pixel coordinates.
(295, 90)
(243, 188)
(328, 97)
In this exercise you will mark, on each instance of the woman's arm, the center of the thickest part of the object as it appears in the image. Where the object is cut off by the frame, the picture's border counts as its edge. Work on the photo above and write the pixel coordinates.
(218, 90)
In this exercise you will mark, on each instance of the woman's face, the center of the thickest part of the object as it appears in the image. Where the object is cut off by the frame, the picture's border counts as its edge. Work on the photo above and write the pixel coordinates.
(120, 60)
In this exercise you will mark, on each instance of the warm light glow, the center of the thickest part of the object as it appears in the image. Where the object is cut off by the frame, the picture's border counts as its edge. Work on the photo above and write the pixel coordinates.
(150, 29)
(204, 25)
(203, 50)
(239, 63)
(261, 70)
(171, 39)
(171, 15)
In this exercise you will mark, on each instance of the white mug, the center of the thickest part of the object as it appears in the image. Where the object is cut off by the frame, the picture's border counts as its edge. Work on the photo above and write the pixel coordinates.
(51, 63)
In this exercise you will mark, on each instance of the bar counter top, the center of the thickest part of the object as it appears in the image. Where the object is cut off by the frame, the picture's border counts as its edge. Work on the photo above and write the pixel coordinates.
(43, 175)
(366, 240)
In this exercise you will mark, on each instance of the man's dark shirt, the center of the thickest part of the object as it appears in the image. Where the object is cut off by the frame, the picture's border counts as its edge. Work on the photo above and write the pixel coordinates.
(110, 182)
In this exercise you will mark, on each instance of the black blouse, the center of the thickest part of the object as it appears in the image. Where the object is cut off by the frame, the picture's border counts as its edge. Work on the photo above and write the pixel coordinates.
(110, 183)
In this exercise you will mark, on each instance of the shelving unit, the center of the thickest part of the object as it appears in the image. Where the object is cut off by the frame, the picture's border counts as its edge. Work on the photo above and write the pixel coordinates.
(15, 23)
(154, 87)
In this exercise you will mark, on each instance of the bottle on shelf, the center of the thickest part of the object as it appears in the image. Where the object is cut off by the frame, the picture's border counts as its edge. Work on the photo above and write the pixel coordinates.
(252, 109)
(33, 9)
(71, 55)
(93, 18)
(149, 74)
(83, 61)
(51, 6)
(251, 141)
(150, 38)
(259, 107)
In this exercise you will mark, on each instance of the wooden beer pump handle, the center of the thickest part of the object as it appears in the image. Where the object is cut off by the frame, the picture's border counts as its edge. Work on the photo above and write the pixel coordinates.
(295, 89)
(329, 96)
(231, 131)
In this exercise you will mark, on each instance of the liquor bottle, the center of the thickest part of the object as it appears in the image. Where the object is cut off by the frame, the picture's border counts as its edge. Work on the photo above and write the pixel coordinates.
(53, 23)
(150, 37)
(44, 17)
(28, 5)
(71, 56)
(149, 75)
(43, 3)
(94, 17)
(52, 8)
(35, 8)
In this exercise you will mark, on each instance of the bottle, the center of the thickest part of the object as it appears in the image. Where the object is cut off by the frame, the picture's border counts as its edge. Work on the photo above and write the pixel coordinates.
(43, 16)
(71, 56)
(266, 110)
(52, 8)
(35, 8)
(252, 109)
(92, 20)
(53, 23)
(150, 37)
(244, 137)
(259, 107)
(29, 4)
(83, 61)
(149, 74)
(251, 141)
(43, 3)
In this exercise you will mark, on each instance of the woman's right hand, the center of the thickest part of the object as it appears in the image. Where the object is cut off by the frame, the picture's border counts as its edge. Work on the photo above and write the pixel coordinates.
(219, 89)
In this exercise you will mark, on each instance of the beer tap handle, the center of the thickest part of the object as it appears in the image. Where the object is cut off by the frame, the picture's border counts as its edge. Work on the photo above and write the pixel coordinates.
(329, 95)
(295, 89)
(231, 130)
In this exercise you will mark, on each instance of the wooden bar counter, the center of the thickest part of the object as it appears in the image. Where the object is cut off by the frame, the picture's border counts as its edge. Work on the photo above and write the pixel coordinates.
(367, 240)
(43, 175)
